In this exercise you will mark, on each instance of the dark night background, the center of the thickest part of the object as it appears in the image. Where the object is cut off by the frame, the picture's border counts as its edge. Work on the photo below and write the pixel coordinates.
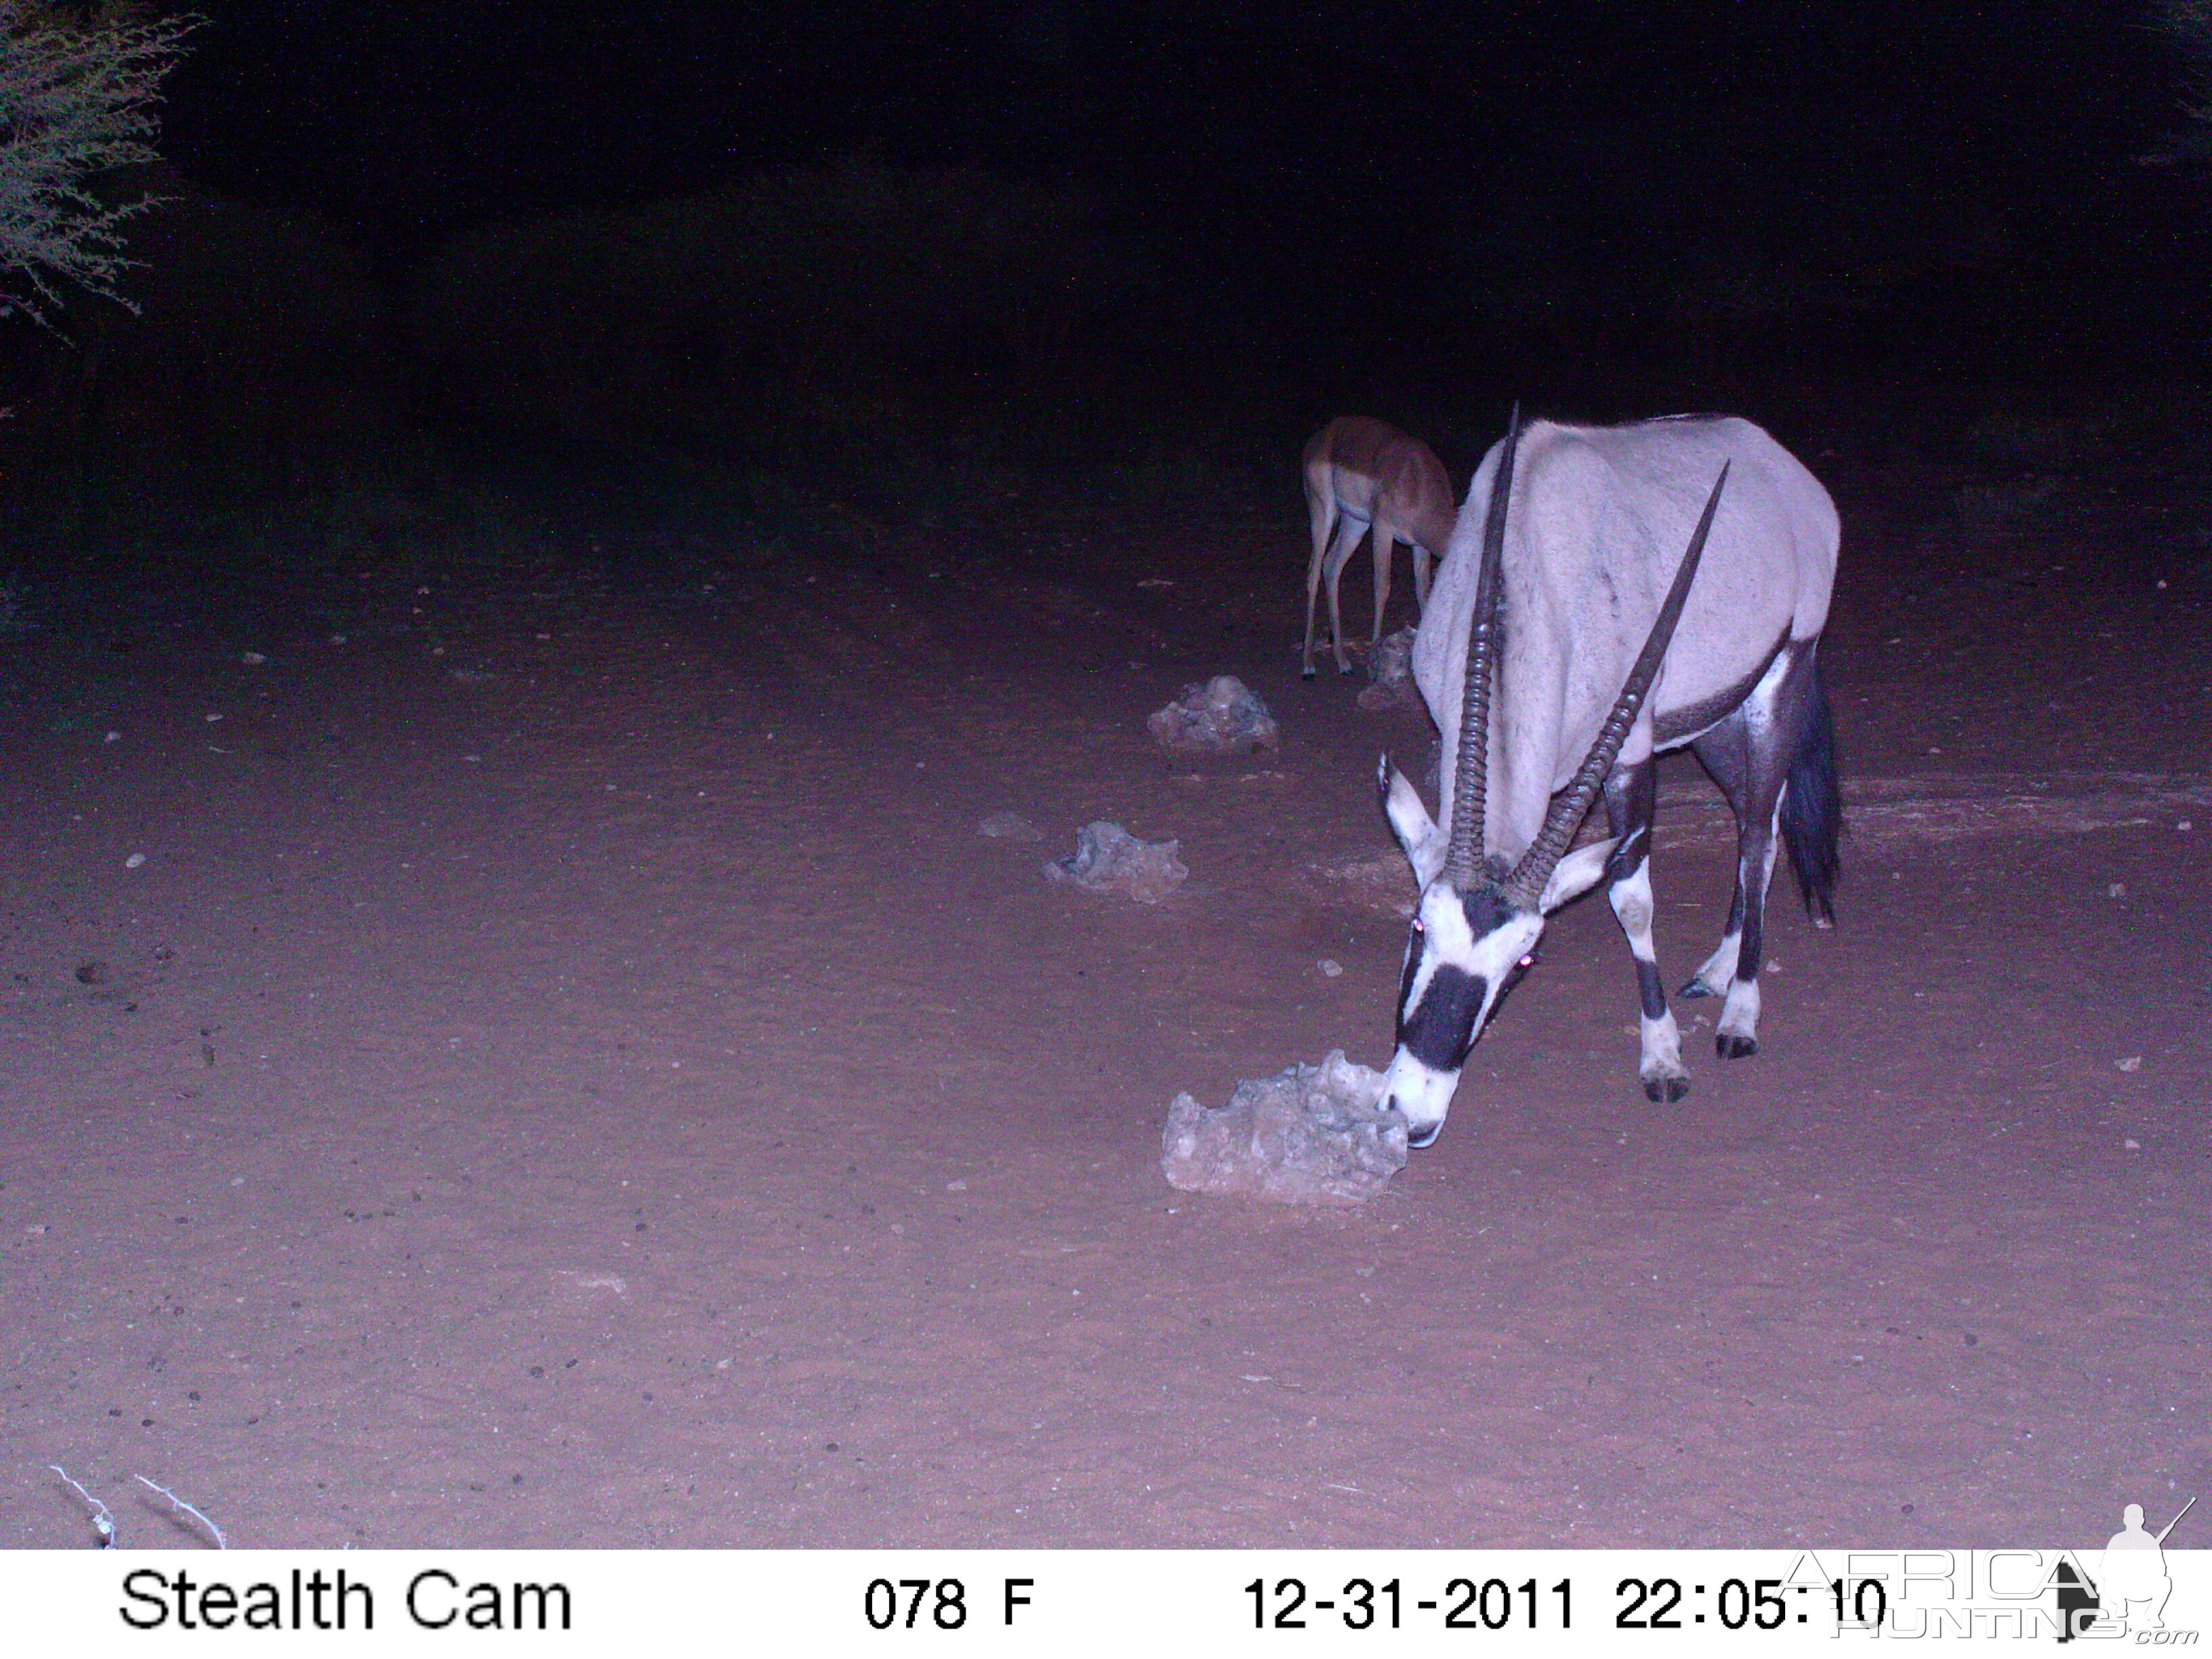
(821, 241)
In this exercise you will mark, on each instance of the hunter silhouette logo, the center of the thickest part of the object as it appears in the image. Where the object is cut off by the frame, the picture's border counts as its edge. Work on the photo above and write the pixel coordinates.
(2131, 1585)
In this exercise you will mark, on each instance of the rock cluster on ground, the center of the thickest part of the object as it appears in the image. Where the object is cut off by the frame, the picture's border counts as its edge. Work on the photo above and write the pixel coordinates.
(1108, 859)
(1390, 673)
(1225, 716)
(1311, 1135)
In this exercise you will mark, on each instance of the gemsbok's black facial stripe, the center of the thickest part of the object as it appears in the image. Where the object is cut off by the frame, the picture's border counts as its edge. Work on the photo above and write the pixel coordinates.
(1406, 979)
(1487, 910)
(1440, 1031)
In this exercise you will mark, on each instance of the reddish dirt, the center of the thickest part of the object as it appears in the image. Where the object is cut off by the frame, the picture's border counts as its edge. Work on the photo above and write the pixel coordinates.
(617, 1098)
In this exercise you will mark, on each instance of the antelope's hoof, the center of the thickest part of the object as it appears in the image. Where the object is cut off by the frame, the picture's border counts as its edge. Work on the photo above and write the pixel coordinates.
(1344, 668)
(1729, 1046)
(1665, 1091)
(1697, 988)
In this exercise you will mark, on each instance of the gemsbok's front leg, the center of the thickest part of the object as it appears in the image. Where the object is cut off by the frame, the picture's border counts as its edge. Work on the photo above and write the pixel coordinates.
(1631, 796)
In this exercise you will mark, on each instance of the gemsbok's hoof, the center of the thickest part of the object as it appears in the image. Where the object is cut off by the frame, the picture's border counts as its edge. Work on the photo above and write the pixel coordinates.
(1697, 988)
(1729, 1046)
(1665, 1091)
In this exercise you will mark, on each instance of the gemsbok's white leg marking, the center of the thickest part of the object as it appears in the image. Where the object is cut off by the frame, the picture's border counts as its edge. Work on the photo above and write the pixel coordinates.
(1736, 1033)
(1718, 971)
(1660, 1063)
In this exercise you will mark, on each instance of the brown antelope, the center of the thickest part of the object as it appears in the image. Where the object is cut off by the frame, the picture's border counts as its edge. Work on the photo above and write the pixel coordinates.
(1570, 642)
(1362, 473)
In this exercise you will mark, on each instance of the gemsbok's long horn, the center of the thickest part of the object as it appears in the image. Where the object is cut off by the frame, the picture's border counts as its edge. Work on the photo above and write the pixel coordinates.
(1526, 885)
(1463, 855)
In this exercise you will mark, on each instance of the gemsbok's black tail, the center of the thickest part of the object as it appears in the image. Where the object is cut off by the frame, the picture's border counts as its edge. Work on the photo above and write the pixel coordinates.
(1811, 806)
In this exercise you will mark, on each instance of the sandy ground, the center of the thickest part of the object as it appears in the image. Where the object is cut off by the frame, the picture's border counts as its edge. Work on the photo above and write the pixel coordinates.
(567, 1070)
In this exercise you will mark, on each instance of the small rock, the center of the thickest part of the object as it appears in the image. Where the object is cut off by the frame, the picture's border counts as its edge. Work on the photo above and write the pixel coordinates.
(1108, 859)
(251, 659)
(134, 861)
(1222, 717)
(2118, 890)
(1008, 826)
(1330, 968)
(2132, 1063)
(2131, 1144)
(1311, 1135)
(1391, 671)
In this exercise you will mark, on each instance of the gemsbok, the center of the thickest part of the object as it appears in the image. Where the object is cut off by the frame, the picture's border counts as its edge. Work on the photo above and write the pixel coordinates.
(1566, 643)
(1361, 472)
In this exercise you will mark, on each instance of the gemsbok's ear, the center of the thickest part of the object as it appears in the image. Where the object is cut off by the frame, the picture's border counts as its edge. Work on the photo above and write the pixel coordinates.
(1410, 822)
(1576, 874)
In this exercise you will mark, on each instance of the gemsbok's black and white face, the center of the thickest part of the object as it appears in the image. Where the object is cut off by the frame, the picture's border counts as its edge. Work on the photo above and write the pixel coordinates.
(1464, 952)
(1470, 942)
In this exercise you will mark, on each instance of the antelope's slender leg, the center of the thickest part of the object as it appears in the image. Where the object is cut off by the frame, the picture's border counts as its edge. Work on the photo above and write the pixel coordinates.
(1320, 512)
(1385, 548)
(1341, 547)
(1421, 561)
(1632, 794)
